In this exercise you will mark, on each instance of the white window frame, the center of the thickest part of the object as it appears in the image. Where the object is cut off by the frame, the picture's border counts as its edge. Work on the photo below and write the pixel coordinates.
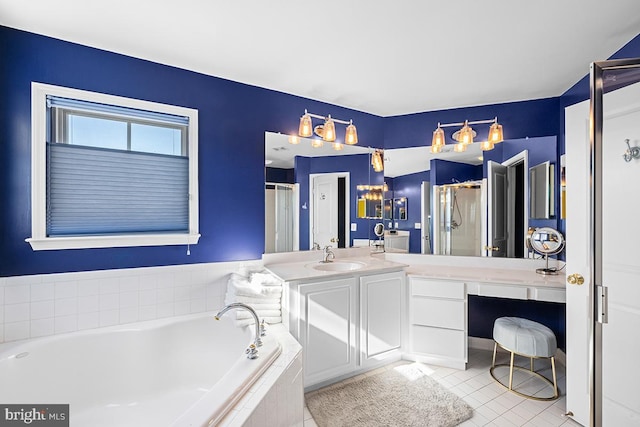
(39, 239)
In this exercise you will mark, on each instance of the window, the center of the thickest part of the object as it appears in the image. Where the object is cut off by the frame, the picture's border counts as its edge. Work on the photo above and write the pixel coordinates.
(110, 171)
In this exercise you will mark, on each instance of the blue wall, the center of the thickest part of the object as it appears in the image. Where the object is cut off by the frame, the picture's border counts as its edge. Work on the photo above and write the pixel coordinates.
(231, 150)
(279, 175)
(409, 186)
(519, 119)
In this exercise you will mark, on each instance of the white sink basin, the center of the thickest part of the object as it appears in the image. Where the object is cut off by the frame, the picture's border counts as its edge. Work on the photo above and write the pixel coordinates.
(337, 266)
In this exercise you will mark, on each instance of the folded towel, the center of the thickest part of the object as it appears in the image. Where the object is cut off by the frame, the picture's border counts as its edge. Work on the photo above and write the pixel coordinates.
(264, 279)
(243, 314)
(231, 297)
(244, 288)
(250, 321)
(271, 305)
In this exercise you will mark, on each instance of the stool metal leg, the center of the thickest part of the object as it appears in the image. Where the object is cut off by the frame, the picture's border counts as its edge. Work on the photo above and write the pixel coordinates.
(531, 363)
(511, 372)
(553, 370)
(495, 347)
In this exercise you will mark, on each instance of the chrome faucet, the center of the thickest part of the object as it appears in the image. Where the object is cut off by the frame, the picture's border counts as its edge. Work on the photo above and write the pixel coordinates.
(328, 253)
(252, 352)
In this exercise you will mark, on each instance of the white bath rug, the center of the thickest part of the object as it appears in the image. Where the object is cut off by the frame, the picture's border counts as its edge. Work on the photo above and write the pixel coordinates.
(400, 396)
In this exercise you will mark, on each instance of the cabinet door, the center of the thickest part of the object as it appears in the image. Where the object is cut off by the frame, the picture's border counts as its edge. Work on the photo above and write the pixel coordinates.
(380, 315)
(327, 328)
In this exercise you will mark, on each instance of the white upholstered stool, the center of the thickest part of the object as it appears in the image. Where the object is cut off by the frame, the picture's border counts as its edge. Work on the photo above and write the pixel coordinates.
(529, 339)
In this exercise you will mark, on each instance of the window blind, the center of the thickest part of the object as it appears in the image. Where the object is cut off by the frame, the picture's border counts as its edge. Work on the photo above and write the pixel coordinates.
(114, 110)
(104, 191)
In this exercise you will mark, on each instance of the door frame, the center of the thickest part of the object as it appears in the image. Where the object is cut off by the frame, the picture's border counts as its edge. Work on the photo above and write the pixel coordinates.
(521, 157)
(596, 120)
(347, 205)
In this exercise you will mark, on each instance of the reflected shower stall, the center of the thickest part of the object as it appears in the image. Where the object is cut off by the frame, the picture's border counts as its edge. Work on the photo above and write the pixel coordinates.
(281, 218)
(457, 219)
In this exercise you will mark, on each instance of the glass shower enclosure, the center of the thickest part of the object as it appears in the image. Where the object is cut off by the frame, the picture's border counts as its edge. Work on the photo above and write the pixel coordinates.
(457, 219)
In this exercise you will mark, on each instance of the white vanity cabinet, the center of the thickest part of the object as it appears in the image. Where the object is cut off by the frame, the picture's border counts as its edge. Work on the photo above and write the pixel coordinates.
(326, 325)
(381, 298)
(346, 324)
(437, 322)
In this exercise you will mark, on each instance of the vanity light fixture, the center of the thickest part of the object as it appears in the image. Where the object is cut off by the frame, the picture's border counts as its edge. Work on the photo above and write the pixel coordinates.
(465, 135)
(377, 161)
(327, 130)
(294, 140)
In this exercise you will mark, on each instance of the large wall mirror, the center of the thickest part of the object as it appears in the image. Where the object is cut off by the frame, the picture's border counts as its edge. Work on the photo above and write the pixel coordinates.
(474, 203)
(316, 196)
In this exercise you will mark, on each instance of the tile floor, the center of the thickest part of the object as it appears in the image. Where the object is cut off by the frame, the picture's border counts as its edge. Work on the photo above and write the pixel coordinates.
(493, 404)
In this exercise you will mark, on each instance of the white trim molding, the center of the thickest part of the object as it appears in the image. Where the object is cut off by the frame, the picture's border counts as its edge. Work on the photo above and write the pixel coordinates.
(39, 239)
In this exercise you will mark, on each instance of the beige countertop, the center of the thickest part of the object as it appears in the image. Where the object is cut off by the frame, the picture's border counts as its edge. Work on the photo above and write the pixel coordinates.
(489, 275)
(304, 270)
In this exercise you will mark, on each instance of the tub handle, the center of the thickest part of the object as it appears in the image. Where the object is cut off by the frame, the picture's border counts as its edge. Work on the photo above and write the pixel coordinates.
(263, 330)
(252, 352)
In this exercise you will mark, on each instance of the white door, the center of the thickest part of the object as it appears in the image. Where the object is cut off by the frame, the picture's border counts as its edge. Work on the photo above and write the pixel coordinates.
(620, 263)
(607, 345)
(497, 210)
(324, 227)
(579, 315)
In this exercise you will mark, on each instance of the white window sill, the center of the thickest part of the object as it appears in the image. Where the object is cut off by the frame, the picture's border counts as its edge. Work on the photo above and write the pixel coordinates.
(87, 242)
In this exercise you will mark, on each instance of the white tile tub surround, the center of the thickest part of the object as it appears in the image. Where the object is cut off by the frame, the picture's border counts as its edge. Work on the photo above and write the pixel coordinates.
(48, 304)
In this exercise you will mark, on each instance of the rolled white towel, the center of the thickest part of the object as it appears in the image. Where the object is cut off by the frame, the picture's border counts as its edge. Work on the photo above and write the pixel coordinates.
(269, 320)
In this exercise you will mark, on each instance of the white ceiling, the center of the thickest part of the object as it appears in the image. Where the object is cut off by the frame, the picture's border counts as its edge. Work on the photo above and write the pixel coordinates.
(378, 56)
(279, 153)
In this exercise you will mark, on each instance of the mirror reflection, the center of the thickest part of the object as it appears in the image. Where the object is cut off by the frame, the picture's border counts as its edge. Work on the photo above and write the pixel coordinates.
(472, 203)
(312, 195)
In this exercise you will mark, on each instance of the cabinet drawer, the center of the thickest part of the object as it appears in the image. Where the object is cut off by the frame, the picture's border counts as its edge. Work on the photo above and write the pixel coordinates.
(502, 291)
(436, 341)
(442, 313)
(437, 288)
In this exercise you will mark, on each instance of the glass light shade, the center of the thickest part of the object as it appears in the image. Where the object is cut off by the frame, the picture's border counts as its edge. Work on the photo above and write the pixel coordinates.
(294, 140)
(495, 133)
(438, 138)
(337, 146)
(329, 130)
(306, 128)
(466, 135)
(317, 143)
(376, 161)
(460, 147)
(436, 148)
(486, 145)
(351, 137)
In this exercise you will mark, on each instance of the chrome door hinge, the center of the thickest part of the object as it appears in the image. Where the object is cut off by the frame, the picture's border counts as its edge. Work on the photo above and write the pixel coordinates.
(602, 304)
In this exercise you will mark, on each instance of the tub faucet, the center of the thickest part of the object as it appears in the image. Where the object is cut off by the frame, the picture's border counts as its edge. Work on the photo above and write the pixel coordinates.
(257, 342)
(328, 253)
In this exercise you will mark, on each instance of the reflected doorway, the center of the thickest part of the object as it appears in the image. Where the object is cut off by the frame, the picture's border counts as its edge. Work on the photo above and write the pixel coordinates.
(329, 211)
